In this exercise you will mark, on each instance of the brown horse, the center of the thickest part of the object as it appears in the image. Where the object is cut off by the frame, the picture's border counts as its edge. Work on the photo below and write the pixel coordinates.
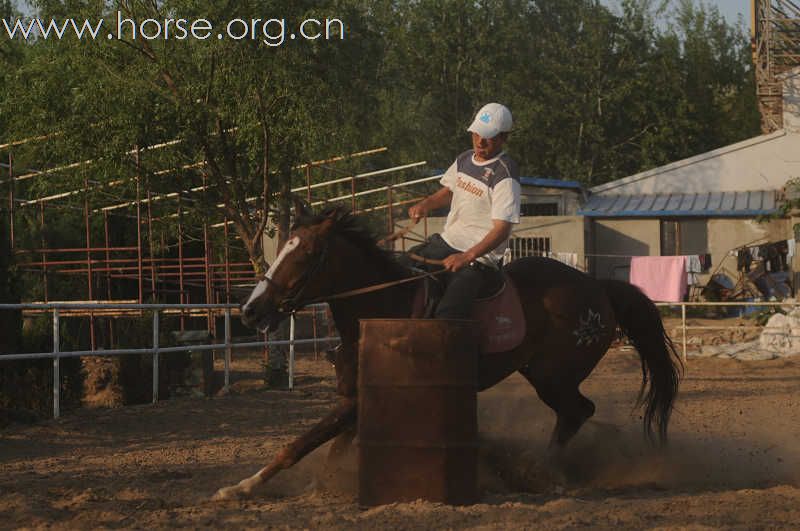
(571, 321)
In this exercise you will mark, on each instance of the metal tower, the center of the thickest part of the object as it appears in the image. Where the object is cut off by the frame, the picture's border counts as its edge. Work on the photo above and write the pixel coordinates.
(776, 49)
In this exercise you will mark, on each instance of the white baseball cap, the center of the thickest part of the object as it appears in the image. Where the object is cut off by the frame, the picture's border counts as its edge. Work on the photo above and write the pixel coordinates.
(491, 120)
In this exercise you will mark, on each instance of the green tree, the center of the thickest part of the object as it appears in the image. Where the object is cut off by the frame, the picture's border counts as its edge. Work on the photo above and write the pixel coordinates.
(595, 95)
(244, 112)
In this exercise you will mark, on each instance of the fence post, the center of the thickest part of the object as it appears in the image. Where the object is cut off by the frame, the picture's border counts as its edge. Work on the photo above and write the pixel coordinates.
(56, 364)
(314, 330)
(291, 351)
(226, 388)
(683, 327)
(155, 355)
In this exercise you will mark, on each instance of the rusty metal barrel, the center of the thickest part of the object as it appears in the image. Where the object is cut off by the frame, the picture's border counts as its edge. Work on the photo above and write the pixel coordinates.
(417, 411)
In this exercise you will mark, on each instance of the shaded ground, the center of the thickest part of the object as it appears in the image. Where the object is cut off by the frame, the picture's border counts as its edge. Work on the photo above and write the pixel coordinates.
(734, 460)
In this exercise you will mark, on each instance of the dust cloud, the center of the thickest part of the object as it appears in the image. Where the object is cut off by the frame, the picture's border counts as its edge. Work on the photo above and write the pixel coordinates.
(706, 451)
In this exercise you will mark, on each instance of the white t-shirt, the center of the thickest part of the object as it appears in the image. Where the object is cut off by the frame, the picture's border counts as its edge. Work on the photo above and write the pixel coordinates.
(482, 192)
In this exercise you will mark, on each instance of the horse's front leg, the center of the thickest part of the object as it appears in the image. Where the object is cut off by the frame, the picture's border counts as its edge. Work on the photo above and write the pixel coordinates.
(338, 420)
(341, 419)
(346, 363)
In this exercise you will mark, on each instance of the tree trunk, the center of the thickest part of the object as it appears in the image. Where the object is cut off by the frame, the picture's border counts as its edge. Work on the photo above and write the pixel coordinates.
(19, 380)
(277, 376)
(10, 320)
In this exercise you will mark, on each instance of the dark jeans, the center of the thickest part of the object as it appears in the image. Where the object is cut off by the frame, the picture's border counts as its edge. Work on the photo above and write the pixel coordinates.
(461, 287)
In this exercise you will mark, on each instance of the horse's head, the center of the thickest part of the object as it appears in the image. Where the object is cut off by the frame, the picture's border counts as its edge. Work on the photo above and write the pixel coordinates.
(291, 280)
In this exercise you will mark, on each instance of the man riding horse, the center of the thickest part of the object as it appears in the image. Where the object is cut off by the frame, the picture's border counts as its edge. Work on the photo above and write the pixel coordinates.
(483, 192)
(570, 318)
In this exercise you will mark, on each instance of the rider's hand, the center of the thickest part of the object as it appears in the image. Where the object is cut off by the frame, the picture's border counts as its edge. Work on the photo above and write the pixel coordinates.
(417, 211)
(454, 262)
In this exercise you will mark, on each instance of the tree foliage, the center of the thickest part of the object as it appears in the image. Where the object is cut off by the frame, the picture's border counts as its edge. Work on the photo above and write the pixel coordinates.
(243, 113)
(596, 94)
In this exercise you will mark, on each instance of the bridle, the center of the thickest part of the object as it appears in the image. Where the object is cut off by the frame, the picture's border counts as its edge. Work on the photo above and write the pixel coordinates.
(292, 302)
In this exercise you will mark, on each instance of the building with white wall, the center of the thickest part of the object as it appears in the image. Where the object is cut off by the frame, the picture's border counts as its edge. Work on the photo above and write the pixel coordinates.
(708, 204)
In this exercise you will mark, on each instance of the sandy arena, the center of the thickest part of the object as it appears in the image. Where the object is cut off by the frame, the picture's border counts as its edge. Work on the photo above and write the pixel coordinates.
(734, 459)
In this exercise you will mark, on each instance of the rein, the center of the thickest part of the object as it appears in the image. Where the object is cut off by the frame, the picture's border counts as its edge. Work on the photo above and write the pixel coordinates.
(422, 259)
(291, 303)
(400, 233)
(375, 287)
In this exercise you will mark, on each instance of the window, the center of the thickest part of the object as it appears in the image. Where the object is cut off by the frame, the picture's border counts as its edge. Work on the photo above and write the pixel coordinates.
(539, 209)
(669, 238)
(522, 247)
(684, 237)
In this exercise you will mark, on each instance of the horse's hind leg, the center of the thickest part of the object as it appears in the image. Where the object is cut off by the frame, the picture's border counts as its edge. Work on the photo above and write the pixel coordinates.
(574, 411)
(562, 395)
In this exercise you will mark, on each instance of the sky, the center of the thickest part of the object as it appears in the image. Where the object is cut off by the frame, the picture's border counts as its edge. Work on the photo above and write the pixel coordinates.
(730, 9)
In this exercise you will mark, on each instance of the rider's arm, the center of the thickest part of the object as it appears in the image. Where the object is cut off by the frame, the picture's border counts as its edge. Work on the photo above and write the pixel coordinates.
(501, 230)
(497, 235)
(440, 199)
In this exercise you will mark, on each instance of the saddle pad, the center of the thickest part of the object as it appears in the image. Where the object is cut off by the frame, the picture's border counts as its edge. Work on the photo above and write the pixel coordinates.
(500, 317)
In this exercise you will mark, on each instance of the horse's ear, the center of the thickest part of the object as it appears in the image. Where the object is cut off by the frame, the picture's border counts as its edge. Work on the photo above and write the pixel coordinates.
(336, 213)
(326, 225)
(301, 208)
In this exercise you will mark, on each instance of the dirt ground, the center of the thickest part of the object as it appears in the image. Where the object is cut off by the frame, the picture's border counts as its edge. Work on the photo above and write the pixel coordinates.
(733, 461)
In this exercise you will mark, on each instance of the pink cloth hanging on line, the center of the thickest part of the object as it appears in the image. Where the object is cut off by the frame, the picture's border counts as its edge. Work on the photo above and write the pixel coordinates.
(662, 278)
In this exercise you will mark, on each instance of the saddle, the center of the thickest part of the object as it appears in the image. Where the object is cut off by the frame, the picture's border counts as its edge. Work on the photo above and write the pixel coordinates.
(499, 316)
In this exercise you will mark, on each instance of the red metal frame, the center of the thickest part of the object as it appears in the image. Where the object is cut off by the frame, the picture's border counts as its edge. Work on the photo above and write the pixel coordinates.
(216, 277)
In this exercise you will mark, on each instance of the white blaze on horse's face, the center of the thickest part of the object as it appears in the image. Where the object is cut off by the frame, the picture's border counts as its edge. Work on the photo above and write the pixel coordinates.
(261, 287)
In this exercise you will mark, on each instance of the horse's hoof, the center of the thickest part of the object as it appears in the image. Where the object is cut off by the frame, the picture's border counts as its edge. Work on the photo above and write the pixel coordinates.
(230, 493)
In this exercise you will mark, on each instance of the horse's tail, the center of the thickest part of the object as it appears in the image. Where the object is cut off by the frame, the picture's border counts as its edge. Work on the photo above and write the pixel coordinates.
(641, 322)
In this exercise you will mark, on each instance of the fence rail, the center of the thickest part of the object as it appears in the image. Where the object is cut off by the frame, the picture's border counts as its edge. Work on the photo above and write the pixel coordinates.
(155, 350)
(228, 345)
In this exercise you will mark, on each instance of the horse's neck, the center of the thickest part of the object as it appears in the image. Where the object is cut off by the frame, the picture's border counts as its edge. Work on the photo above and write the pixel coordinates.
(391, 302)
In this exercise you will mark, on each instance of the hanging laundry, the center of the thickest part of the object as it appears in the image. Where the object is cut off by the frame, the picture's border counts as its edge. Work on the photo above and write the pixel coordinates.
(662, 278)
(507, 256)
(693, 268)
(705, 261)
(743, 259)
(773, 257)
(781, 252)
(790, 246)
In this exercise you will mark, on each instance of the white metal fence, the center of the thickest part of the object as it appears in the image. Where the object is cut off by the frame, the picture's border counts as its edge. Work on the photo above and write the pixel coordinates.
(155, 350)
(228, 345)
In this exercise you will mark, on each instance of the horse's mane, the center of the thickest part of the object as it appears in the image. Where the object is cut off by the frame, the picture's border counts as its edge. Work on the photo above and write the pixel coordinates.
(356, 231)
